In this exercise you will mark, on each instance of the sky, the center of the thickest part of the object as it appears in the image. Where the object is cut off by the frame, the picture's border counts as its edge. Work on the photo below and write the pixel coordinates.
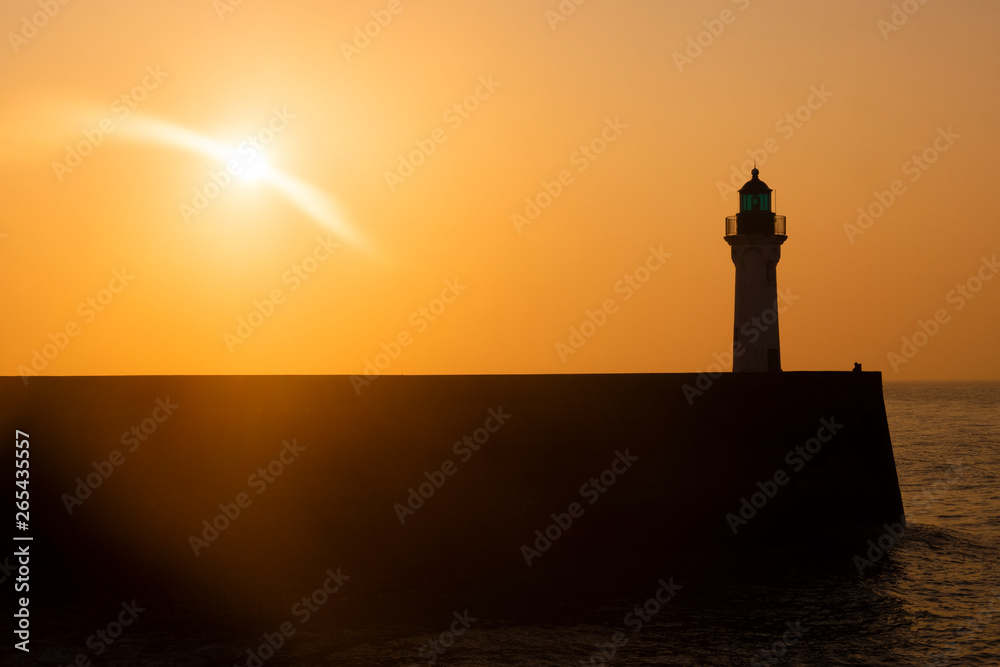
(532, 186)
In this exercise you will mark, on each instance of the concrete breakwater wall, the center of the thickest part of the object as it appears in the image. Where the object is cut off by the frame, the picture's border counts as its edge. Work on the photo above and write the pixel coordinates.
(230, 483)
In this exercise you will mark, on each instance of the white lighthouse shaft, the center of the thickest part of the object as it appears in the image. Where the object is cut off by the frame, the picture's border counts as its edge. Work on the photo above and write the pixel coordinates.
(756, 345)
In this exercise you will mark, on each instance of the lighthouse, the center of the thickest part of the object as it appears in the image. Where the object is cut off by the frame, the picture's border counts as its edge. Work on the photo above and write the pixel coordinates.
(755, 235)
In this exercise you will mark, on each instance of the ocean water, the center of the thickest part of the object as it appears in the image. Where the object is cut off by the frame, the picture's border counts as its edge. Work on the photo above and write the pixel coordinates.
(933, 597)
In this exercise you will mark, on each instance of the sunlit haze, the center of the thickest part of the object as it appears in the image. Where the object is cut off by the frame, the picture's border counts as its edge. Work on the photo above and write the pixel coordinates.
(465, 187)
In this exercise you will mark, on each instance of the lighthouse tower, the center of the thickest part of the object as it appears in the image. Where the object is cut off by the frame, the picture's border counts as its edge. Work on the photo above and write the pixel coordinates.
(755, 235)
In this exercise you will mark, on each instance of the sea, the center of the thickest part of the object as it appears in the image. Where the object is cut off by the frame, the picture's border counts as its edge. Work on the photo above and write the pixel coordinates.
(929, 594)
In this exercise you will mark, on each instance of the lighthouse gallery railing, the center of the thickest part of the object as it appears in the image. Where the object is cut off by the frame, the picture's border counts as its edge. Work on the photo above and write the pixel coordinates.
(779, 225)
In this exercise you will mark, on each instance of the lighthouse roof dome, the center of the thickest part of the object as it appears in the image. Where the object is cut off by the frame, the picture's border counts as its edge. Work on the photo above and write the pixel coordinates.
(755, 185)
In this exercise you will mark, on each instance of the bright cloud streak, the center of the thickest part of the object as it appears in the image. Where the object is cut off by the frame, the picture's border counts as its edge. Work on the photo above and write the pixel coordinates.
(307, 198)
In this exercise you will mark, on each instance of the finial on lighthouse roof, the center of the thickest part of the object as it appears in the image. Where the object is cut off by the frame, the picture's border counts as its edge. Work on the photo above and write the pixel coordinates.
(756, 172)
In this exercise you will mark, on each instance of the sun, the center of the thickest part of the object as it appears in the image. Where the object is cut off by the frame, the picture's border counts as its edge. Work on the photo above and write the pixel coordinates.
(256, 169)
(248, 164)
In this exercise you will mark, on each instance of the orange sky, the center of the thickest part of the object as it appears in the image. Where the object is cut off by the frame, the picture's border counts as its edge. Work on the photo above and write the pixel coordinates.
(332, 121)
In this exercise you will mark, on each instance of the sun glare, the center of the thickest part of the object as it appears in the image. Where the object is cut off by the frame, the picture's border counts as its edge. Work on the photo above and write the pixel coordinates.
(256, 170)
(249, 165)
